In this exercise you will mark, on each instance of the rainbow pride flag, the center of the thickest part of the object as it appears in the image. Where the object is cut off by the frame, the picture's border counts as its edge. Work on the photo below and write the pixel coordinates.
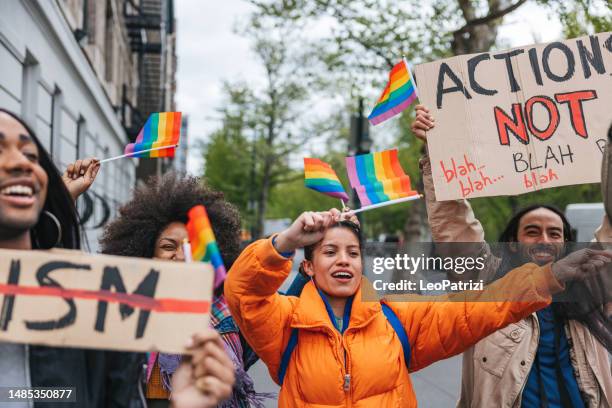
(320, 177)
(161, 129)
(204, 247)
(400, 92)
(378, 177)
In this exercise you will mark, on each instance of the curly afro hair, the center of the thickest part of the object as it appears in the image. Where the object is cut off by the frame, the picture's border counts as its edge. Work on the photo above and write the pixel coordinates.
(163, 201)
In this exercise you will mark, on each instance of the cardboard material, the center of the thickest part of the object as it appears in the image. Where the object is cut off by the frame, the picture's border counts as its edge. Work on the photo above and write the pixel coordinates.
(72, 299)
(519, 120)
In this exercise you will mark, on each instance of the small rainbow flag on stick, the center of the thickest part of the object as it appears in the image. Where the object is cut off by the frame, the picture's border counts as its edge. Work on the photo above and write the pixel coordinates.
(158, 137)
(161, 131)
(320, 177)
(378, 179)
(400, 92)
(204, 247)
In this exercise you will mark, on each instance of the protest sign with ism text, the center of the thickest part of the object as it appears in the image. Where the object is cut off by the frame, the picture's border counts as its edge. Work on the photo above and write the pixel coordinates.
(73, 299)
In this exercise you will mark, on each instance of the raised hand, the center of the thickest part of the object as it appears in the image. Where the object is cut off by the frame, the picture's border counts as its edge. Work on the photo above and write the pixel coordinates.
(422, 123)
(206, 377)
(307, 229)
(347, 215)
(581, 264)
(80, 175)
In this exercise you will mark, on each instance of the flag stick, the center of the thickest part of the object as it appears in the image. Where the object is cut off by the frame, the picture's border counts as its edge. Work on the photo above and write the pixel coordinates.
(187, 251)
(343, 205)
(416, 91)
(138, 152)
(386, 203)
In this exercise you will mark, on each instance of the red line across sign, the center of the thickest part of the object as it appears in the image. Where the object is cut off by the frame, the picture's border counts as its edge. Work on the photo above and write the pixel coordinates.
(165, 305)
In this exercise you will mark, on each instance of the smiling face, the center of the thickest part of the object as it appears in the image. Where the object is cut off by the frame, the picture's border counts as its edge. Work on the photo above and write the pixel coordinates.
(540, 234)
(169, 243)
(23, 182)
(336, 264)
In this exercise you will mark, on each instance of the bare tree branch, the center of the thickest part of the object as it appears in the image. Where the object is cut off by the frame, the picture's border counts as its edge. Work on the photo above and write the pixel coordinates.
(490, 17)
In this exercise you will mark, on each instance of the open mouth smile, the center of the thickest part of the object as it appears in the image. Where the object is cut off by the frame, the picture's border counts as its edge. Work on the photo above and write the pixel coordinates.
(19, 193)
(542, 254)
(343, 276)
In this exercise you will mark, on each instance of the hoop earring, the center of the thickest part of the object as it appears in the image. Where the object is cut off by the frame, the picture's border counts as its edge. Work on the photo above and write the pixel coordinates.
(57, 225)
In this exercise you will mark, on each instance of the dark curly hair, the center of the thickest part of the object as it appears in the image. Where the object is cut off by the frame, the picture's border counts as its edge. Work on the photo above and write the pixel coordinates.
(163, 201)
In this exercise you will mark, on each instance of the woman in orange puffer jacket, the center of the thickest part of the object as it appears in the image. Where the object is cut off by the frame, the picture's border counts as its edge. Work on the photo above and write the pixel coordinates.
(347, 353)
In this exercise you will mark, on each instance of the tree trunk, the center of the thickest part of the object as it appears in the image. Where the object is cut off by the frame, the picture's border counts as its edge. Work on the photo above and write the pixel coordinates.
(480, 33)
(262, 201)
(416, 225)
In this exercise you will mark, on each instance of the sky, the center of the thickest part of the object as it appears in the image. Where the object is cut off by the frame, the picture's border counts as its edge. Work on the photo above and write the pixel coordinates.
(210, 52)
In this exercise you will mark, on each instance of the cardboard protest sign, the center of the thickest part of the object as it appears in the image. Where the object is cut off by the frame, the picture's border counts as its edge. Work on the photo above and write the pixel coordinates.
(73, 299)
(520, 120)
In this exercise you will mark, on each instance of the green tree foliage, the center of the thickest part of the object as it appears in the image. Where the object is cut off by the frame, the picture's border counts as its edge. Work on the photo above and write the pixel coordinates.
(248, 157)
(582, 17)
(366, 36)
(228, 161)
(351, 45)
(228, 165)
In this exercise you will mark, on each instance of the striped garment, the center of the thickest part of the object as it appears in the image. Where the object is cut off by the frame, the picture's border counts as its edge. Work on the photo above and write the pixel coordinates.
(244, 394)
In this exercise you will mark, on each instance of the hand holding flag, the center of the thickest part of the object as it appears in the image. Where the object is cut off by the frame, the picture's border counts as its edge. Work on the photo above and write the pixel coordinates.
(204, 247)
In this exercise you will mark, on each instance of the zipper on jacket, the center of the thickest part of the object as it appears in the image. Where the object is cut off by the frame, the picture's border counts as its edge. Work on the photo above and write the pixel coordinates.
(347, 382)
(347, 375)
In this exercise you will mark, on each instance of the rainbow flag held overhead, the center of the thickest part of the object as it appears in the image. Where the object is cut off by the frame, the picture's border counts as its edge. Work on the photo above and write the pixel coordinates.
(378, 177)
(400, 92)
(161, 129)
(204, 247)
(320, 177)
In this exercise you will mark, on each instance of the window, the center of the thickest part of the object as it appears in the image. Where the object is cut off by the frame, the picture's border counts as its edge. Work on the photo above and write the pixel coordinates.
(44, 115)
(69, 136)
(10, 81)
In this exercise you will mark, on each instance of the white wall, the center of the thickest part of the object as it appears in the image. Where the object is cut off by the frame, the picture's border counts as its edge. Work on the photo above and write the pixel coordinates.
(45, 77)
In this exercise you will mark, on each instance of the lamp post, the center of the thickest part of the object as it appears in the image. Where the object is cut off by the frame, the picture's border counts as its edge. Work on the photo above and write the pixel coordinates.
(360, 143)
(252, 204)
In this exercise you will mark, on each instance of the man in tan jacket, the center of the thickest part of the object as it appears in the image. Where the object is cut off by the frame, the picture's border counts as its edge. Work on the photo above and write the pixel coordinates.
(543, 360)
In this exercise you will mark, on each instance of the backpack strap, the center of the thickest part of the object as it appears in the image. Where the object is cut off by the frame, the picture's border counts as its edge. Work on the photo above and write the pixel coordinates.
(399, 330)
(391, 318)
(282, 370)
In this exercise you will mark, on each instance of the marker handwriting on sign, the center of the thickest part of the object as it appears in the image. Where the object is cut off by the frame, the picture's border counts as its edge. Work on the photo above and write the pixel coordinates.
(533, 180)
(519, 122)
(589, 56)
(143, 296)
(468, 176)
(554, 155)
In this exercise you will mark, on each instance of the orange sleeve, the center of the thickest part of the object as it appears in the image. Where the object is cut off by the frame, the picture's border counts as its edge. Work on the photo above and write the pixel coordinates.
(441, 327)
(261, 313)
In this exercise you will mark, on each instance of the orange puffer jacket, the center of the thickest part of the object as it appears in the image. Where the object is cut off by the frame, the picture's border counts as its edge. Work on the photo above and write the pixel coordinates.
(364, 366)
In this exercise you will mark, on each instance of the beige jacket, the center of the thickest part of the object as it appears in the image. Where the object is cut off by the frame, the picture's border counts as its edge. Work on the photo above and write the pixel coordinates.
(495, 370)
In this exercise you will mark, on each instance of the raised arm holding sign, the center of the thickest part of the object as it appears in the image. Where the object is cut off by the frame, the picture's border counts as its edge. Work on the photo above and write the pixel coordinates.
(520, 120)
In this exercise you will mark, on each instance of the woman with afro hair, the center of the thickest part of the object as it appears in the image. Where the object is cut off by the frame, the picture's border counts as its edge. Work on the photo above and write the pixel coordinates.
(152, 225)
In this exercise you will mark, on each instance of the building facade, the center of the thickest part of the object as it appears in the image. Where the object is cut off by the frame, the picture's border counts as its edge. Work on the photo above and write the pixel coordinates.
(69, 68)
